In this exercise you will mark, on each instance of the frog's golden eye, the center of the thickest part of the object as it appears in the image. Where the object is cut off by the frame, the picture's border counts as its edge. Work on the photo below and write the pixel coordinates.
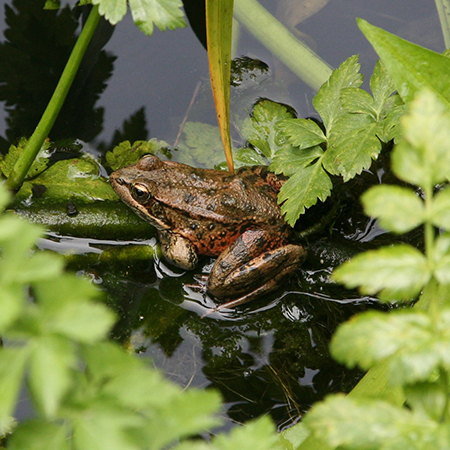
(140, 192)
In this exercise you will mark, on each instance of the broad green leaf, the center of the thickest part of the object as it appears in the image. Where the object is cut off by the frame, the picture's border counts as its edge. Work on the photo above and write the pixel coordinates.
(427, 398)
(440, 209)
(51, 361)
(163, 13)
(112, 10)
(12, 365)
(350, 424)
(411, 67)
(12, 300)
(219, 22)
(302, 190)
(396, 273)
(290, 160)
(328, 100)
(414, 345)
(258, 434)
(126, 154)
(441, 259)
(39, 435)
(41, 266)
(422, 157)
(262, 130)
(303, 133)
(399, 209)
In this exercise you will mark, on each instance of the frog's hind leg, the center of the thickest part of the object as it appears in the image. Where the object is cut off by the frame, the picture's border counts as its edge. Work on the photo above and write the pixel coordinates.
(247, 269)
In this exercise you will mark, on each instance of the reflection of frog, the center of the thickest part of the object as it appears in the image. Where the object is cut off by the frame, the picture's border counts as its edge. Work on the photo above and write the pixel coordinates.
(209, 212)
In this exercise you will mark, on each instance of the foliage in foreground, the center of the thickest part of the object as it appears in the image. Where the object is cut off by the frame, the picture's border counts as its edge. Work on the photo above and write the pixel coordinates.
(413, 343)
(86, 392)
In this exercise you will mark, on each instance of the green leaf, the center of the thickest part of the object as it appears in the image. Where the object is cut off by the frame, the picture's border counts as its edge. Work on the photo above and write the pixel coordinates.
(38, 435)
(258, 434)
(163, 13)
(261, 129)
(112, 10)
(422, 157)
(441, 258)
(396, 273)
(440, 209)
(411, 67)
(290, 160)
(328, 100)
(126, 154)
(414, 345)
(427, 398)
(302, 133)
(51, 360)
(302, 190)
(399, 209)
(12, 365)
(345, 423)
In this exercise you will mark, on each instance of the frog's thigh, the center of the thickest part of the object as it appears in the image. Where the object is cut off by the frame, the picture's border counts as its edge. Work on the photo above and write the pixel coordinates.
(178, 250)
(238, 272)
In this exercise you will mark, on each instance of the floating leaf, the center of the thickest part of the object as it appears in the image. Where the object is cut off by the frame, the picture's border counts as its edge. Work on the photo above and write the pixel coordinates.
(396, 273)
(399, 209)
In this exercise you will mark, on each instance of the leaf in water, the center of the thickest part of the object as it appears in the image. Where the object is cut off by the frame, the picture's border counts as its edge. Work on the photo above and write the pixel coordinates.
(302, 191)
(163, 13)
(219, 23)
(261, 128)
(328, 100)
(51, 360)
(399, 209)
(12, 365)
(411, 66)
(303, 133)
(367, 424)
(39, 435)
(422, 157)
(126, 154)
(396, 273)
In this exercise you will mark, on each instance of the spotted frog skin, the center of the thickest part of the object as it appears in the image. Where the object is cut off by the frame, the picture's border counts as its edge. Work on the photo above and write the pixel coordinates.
(234, 217)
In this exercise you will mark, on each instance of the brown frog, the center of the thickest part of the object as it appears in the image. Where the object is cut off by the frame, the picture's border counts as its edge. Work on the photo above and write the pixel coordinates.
(234, 217)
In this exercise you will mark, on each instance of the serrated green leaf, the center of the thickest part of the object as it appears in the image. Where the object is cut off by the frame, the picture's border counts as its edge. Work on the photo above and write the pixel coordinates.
(396, 273)
(51, 360)
(163, 13)
(382, 88)
(302, 133)
(258, 434)
(290, 159)
(327, 101)
(372, 425)
(414, 345)
(399, 209)
(112, 10)
(126, 154)
(302, 190)
(440, 209)
(422, 157)
(12, 366)
(262, 130)
(38, 435)
(411, 67)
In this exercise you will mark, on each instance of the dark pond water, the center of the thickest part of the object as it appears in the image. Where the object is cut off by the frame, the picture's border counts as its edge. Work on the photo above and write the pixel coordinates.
(270, 356)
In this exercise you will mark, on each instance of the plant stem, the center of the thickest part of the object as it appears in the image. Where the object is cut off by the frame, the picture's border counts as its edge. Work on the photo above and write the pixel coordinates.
(44, 126)
(443, 7)
(282, 43)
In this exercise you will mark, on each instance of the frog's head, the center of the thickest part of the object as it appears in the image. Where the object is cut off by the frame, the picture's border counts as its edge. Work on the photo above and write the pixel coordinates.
(135, 187)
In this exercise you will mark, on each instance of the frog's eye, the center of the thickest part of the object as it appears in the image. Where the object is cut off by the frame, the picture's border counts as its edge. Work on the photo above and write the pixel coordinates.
(140, 192)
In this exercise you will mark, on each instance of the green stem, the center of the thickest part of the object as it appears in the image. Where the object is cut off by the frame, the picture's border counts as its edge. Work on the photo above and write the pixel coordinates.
(282, 43)
(42, 130)
(443, 7)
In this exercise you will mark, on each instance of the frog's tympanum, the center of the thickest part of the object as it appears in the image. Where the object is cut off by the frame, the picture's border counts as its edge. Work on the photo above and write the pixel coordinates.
(234, 217)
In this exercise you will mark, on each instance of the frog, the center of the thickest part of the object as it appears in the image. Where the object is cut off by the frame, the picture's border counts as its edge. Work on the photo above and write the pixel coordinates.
(234, 217)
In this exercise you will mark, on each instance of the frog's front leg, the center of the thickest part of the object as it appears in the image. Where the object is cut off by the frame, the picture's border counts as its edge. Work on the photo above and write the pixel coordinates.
(178, 250)
(248, 269)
